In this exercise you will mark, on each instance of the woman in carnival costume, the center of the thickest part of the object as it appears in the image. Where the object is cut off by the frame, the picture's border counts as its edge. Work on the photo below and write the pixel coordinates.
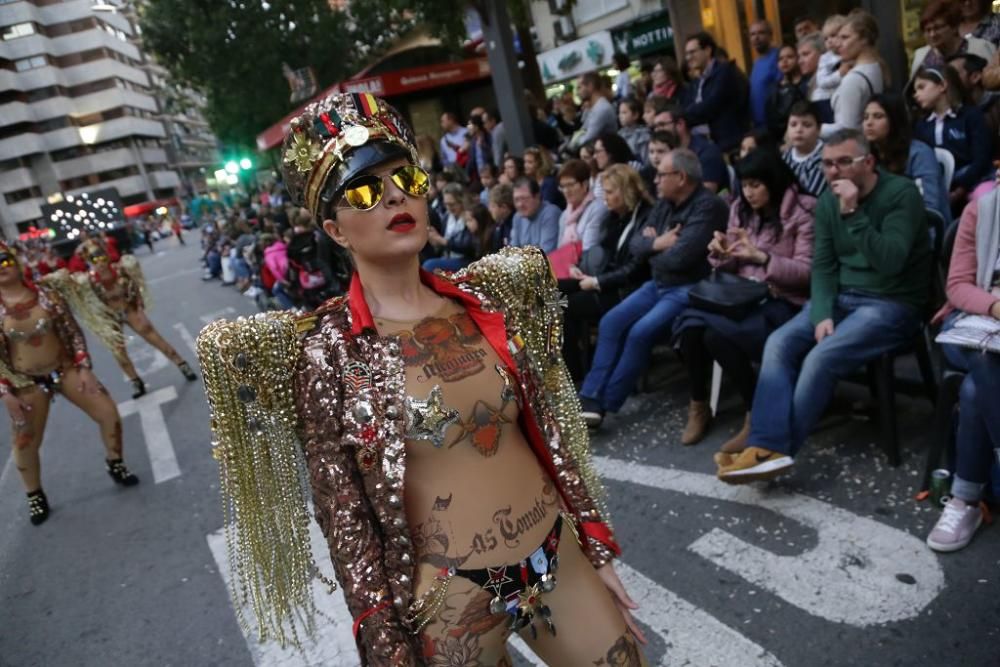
(43, 351)
(121, 287)
(454, 383)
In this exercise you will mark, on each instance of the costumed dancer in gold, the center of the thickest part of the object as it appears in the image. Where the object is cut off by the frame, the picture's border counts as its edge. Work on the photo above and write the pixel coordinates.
(43, 351)
(448, 463)
(121, 287)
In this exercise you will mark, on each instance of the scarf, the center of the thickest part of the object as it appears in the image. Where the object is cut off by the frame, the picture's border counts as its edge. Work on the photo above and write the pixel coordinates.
(570, 233)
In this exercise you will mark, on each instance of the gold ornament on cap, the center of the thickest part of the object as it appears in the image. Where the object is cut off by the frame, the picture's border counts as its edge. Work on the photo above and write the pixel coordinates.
(356, 135)
(303, 152)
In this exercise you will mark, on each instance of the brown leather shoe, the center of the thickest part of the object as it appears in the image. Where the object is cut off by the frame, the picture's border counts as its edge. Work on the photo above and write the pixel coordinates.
(738, 442)
(699, 418)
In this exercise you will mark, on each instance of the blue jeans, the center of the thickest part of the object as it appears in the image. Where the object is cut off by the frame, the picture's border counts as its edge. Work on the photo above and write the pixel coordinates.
(446, 263)
(798, 376)
(978, 418)
(282, 297)
(625, 337)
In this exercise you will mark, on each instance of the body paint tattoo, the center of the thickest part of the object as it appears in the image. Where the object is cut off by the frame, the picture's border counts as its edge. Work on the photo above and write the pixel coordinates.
(441, 504)
(444, 348)
(624, 653)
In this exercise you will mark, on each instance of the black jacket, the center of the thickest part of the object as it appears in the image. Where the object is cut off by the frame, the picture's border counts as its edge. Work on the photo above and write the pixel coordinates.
(701, 214)
(724, 106)
(621, 270)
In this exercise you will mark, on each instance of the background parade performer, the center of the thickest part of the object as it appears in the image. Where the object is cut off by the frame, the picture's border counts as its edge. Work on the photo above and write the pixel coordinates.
(121, 287)
(453, 383)
(42, 351)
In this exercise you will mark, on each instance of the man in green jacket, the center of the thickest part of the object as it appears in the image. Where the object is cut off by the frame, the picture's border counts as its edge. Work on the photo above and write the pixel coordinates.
(870, 283)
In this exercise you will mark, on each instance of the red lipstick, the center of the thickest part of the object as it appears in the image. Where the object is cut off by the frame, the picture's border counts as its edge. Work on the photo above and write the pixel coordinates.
(402, 223)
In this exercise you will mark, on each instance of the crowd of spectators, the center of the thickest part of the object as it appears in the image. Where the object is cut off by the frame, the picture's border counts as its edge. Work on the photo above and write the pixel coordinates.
(813, 177)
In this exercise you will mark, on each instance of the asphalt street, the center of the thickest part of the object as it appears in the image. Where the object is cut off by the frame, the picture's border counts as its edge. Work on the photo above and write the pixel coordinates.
(825, 567)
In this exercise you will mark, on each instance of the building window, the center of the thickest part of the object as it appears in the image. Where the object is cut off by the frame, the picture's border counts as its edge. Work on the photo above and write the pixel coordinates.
(21, 195)
(591, 10)
(18, 30)
(34, 62)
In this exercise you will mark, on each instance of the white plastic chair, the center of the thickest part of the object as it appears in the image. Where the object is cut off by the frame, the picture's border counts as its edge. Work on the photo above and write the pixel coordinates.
(947, 162)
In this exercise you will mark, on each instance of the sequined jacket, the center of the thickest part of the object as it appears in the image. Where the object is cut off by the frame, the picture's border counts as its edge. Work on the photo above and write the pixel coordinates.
(131, 290)
(64, 325)
(350, 389)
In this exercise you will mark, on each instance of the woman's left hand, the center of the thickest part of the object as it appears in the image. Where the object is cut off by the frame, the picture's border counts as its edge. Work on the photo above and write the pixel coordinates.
(744, 249)
(88, 382)
(588, 283)
(624, 603)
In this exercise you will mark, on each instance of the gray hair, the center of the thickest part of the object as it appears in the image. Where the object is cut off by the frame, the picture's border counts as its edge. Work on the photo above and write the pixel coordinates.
(456, 190)
(685, 161)
(849, 134)
(815, 40)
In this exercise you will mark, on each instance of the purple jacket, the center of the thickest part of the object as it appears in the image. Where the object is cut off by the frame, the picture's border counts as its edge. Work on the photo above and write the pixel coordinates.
(787, 272)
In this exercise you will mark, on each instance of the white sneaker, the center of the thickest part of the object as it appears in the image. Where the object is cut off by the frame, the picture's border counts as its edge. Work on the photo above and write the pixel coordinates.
(957, 525)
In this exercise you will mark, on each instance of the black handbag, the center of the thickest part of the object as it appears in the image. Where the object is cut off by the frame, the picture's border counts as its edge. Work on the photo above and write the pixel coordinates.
(727, 294)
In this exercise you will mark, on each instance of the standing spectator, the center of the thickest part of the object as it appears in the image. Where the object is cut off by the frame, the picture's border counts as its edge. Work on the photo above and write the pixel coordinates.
(175, 227)
(804, 25)
(808, 52)
(609, 149)
(501, 207)
(974, 289)
(454, 136)
(889, 132)
(675, 246)
(581, 221)
(635, 134)
(567, 116)
(480, 146)
(805, 148)
(718, 97)
(765, 72)
(498, 139)
(871, 263)
(827, 78)
(427, 154)
(979, 20)
(600, 117)
(958, 128)
(784, 93)
(941, 23)
(536, 222)
(714, 175)
(538, 165)
(858, 38)
(623, 84)
(666, 78)
(770, 239)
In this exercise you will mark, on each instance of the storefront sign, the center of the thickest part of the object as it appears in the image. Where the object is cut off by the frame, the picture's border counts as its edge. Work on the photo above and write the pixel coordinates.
(646, 35)
(586, 54)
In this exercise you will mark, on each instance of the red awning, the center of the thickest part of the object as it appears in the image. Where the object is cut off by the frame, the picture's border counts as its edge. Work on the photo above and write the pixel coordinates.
(145, 207)
(387, 84)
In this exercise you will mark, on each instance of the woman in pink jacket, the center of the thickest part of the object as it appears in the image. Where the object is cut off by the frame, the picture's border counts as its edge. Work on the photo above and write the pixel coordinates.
(769, 239)
(973, 289)
(276, 261)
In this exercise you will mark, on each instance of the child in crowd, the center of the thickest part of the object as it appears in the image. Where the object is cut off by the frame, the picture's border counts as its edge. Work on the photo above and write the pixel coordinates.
(635, 134)
(828, 72)
(487, 178)
(805, 147)
(661, 142)
(959, 128)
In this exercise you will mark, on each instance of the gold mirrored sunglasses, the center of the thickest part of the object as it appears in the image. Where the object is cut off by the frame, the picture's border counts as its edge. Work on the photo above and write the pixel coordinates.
(365, 192)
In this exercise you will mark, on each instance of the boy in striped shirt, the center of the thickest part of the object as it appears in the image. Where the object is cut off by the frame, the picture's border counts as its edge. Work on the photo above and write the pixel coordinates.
(805, 147)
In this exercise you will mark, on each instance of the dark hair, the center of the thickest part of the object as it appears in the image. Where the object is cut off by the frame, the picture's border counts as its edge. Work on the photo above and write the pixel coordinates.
(485, 224)
(576, 169)
(616, 148)
(530, 183)
(517, 161)
(893, 152)
(633, 105)
(803, 19)
(664, 137)
(957, 94)
(621, 60)
(762, 138)
(490, 168)
(767, 166)
(658, 102)
(594, 79)
(971, 63)
(804, 108)
(705, 41)
(948, 11)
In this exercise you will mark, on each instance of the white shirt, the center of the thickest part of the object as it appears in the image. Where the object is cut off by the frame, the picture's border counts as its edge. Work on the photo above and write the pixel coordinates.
(939, 125)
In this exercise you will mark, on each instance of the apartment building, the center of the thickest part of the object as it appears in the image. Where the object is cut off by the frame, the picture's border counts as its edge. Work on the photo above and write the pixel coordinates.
(78, 110)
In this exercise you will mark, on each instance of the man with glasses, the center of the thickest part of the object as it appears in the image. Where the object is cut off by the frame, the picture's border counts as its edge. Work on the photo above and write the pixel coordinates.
(940, 21)
(536, 222)
(719, 95)
(870, 284)
(713, 167)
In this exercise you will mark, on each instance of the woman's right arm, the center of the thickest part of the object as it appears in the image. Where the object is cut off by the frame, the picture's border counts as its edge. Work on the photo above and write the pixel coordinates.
(344, 512)
(963, 292)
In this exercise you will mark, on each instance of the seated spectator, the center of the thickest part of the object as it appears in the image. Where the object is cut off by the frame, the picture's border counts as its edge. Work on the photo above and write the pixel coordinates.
(538, 165)
(970, 70)
(623, 84)
(770, 239)
(501, 207)
(973, 288)
(756, 138)
(480, 147)
(857, 44)
(719, 99)
(454, 223)
(940, 22)
(487, 179)
(536, 222)
(513, 169)
(666, 78)
(632, 130)
(581, 221)
(827, 78)
(713, 167)
(675, 246)
(959, 128)
(608, 272)
(871, 263)
(978, 20)
(805, 147)
(887, 129)
(276, 262)
(660, 143)
(653, 105)
(784, 93)
(609, 149)
(472, 242)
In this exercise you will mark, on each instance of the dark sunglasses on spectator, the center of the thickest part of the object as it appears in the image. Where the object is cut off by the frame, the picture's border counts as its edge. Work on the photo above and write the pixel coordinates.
(365, 192)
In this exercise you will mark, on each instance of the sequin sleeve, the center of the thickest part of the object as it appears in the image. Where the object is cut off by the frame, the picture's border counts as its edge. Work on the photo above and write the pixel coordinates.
(66, 326)
(343, 510)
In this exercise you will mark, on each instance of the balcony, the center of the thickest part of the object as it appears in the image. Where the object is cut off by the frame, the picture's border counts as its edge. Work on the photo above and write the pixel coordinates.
(22, 144)
(92, 164)
(23, 211)
(130, 185)
(112, 98)
(114, 129)
(16, 112)
(164, 180)
(101, 69)
(16, 179)
(153, 155)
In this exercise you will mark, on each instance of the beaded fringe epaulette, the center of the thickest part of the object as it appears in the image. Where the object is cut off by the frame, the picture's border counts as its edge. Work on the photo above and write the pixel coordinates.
(521, 280)
(130, 266)
(248, 367)
(87, 307)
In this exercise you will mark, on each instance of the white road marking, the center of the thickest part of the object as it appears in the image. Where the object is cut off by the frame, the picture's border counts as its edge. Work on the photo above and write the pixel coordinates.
(218, 314)
(171, 276)
(162, 457)
(146, 358)
(850, 575)
(186, 336)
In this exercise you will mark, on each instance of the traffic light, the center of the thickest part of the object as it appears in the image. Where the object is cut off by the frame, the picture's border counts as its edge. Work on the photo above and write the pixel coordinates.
(246, 164)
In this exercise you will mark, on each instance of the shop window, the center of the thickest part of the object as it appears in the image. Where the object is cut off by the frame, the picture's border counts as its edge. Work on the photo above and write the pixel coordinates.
(18, 30)
(590, 10)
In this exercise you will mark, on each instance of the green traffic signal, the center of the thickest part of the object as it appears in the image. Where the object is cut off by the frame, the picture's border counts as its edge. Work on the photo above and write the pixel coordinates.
(232, 167)
(246, 163)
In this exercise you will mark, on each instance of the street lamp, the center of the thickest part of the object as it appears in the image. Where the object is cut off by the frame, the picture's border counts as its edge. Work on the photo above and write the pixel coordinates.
(232, 167)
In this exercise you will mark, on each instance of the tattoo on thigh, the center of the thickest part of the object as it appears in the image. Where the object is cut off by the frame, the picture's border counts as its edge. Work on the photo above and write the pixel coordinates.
(441, 504)
(624, 653)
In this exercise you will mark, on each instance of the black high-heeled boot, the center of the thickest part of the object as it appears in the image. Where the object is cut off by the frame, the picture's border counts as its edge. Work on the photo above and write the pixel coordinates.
(138, 387)
(38, 506)
(121, 474)
(186, 371)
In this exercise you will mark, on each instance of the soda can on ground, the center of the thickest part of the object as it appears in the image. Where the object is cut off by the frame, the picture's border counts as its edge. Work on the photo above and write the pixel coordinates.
(940, 486)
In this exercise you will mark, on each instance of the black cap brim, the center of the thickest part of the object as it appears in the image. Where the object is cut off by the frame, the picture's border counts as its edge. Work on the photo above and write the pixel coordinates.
(357, 162)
